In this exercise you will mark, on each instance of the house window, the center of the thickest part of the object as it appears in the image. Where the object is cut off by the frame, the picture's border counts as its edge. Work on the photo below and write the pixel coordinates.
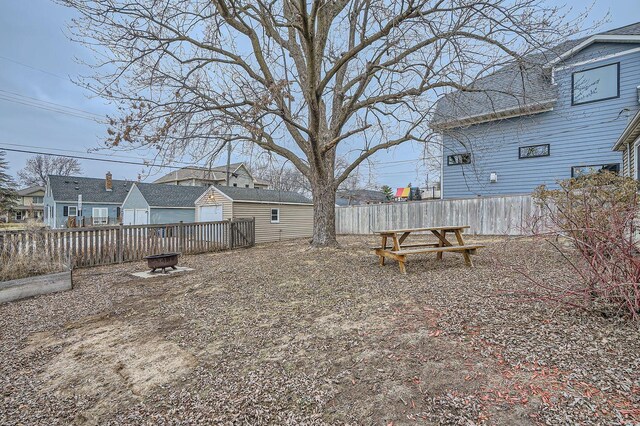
(69, 211)
(595, 84)
(247, 185)
(534, 151)
(235, 184)
(456, 159)
(38, 200)
(100, 215)
(19, 215)
(275, 215)
(578, 171)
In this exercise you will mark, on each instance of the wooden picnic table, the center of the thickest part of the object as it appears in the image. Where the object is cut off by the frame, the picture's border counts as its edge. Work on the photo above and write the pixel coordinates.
(399, 250)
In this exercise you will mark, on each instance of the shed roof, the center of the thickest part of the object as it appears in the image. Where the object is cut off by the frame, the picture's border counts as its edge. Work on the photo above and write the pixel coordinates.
(67, 188)
(261, 195)
(517, 88)
(159, 195)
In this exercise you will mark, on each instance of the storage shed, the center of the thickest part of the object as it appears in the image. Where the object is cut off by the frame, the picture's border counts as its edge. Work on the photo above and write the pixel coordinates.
(152, 203)
(279, 215)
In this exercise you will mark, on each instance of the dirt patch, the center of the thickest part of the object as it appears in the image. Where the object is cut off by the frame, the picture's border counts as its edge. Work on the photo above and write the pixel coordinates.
(111, 362)
(279, 334)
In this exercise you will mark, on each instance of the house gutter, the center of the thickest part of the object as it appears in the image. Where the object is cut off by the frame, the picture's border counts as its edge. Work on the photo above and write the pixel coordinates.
(629, 134)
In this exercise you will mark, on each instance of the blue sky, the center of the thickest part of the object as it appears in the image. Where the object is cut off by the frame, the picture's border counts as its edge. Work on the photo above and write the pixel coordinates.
(37, 61)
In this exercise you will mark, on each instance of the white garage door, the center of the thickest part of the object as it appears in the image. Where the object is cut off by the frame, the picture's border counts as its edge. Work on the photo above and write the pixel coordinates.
(210, 213)
(135, 217)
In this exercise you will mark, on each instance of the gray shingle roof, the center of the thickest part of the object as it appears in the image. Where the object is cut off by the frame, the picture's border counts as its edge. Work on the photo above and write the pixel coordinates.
(264, 195)
(67, 188)
(30, 190)
(162, 195)
(513, 89)
(204, 173)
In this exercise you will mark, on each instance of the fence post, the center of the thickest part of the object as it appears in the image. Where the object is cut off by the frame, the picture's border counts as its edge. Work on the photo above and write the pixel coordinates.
(232, 240)
(120, 244)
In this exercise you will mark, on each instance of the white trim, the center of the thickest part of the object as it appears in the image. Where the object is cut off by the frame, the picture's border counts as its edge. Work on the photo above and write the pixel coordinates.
(633, 124)
(87, 202)
(594, 60)
(166, 207)
(271, 215)
(539, 108)
(594, 39)
(636, 144)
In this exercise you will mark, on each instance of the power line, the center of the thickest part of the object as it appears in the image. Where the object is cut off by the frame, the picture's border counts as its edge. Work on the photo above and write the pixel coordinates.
(48, 102)
(34, 68)
(61, 109)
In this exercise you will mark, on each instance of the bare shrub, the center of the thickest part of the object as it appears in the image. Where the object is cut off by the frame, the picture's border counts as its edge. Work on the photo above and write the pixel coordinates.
(24, 254)
(590, 221)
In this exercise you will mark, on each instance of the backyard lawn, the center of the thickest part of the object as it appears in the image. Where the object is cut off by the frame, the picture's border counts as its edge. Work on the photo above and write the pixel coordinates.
(279, 334)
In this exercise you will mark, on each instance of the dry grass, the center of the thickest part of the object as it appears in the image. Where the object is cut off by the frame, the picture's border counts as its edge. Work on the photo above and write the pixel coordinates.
(20, 264)
(279, 334)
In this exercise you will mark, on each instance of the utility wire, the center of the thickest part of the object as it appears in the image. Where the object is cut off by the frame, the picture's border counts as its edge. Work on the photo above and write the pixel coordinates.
(29, 98)
(34, 68)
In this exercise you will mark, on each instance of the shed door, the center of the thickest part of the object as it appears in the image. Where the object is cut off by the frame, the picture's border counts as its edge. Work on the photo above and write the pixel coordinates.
(135, 217)
(141, 217)
(210, 213)
(128, 217)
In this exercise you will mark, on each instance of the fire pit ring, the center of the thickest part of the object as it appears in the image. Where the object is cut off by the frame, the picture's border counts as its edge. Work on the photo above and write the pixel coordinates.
(162, 261)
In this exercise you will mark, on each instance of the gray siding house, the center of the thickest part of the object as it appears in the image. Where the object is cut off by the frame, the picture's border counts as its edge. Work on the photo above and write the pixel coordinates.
(148, 203)
(73, 201)
(555, 117)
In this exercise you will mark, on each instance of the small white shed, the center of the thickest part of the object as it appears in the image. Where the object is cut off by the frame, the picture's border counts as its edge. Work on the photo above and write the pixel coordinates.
(279, 215)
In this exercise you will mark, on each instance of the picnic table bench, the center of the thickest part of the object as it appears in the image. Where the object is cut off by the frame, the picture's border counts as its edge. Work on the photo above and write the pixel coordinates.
(399, 251)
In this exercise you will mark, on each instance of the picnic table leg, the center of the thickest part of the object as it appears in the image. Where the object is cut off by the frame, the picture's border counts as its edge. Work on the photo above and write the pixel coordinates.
(465, 254)
(441, 244)
(401, 264)
(384, 247)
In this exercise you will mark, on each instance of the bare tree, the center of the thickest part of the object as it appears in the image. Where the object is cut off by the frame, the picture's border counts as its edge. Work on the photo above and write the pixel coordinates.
(38, 167)
(308, 80)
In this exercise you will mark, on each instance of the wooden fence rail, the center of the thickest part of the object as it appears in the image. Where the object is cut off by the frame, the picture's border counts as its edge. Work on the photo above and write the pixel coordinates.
(106, 245)
(500, 215)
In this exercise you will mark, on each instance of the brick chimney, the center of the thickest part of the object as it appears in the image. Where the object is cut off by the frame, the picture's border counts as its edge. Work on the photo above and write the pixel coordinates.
(108, 182)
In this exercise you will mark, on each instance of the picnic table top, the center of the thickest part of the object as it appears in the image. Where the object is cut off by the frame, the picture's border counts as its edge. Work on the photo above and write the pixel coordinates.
(433, 228)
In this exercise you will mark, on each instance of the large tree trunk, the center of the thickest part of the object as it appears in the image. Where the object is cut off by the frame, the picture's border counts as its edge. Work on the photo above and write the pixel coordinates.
(324, 215)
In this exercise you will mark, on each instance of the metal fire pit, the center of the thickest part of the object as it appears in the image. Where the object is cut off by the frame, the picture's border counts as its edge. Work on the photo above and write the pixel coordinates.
(162, 261)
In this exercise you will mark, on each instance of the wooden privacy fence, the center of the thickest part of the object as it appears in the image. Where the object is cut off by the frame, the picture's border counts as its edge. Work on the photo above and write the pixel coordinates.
(105, 245)
(500, 215)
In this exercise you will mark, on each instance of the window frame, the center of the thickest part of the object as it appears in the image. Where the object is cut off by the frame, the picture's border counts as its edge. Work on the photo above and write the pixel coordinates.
(449, 163)
(93, 216)
(277, 210)
(593, 165)
(521, 157)
(573, 76)
(69, 211)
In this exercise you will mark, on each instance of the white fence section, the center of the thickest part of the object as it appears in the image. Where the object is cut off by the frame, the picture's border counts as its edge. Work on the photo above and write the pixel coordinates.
(500, 215)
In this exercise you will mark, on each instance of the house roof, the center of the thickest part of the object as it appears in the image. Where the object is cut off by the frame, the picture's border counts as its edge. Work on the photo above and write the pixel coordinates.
(630, 134)
(517, 89)
(30, 190)
(158, 195)
(216, 173)
(67, 188)
(261, 195)
(358, 196)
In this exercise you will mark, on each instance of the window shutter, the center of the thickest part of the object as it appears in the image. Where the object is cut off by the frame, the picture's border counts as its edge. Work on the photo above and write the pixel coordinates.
(65, 211)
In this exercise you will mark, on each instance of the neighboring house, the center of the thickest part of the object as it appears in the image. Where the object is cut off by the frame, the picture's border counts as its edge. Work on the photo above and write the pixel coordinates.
(355, 197)
(74, 201)
(279, 215)
(202, 176)
(629, 144)
(150, 203)
(30, 204)
(553, 118)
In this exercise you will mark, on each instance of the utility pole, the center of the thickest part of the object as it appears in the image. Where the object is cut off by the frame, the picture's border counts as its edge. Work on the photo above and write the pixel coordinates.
(228, 162)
